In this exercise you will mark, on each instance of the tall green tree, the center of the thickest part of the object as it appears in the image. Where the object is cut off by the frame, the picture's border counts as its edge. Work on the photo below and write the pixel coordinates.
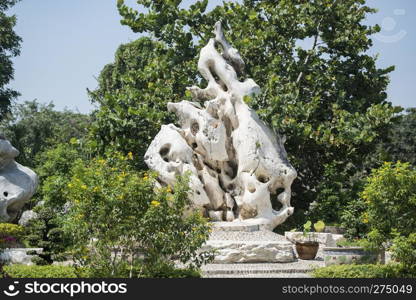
(401, 142)
(9, 48)
(320, 86)
(34, 127)
(132, 94)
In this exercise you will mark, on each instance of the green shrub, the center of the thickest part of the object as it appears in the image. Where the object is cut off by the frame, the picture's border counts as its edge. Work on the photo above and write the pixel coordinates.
(352, 243)
(362, 271)
(54, 171)
(46, 232)
(351, 219)
(10, 234)
(404, 250)
(50, 271)
(166, 270)
(7, 229)
(390, 196)
(117, 210)
(56, 271)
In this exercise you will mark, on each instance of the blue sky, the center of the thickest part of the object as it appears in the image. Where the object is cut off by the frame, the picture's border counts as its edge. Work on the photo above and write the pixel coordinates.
(67, 42)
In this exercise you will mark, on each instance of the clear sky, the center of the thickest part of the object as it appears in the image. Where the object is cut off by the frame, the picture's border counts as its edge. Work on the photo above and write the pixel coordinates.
(67, 42)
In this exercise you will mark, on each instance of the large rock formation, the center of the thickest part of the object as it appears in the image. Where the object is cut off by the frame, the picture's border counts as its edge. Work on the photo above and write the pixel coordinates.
(17, 183)
(235, 160)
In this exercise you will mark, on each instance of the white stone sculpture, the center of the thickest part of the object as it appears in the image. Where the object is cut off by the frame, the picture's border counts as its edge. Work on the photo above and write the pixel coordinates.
(17, 183)
(236, 161)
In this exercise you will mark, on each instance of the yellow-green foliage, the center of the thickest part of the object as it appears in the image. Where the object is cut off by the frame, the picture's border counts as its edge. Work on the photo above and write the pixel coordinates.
(7, 229)
(50, 271)
(404, 250)
(361, 271)
(122, 208)
(390, 196)
(319, 226)
(55, 271)
(10, 234)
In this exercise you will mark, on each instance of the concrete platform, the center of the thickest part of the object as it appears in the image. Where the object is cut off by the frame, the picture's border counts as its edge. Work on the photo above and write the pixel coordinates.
(235, 242)
(298, 269)
(19, 255)
(234, 226)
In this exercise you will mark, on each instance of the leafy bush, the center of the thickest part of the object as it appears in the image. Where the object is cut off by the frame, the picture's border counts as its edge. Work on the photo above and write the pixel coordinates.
(404, 250)
(362, 271)
(54, 171)
(10, 234)
(8, 229)
(119, 219)
(56, 271)
(167, 270)
(351, 219)
(337, 198)
(46, 232)
(34, 127)
(50, 271)
(390, 196)
(352, 243)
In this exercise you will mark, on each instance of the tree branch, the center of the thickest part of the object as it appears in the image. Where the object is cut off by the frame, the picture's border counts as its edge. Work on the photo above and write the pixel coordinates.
(315, 42)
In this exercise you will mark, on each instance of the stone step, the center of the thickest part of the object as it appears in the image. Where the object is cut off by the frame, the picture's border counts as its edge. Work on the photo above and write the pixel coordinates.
(234, 226)
(259, 246)
(260, 275)
(262, 269)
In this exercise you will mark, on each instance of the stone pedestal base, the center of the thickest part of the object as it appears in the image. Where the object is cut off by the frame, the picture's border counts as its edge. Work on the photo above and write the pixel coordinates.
(18, 255)
(248, 244)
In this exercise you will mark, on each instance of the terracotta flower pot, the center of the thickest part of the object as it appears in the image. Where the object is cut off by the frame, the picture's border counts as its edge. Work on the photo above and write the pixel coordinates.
(307, 250)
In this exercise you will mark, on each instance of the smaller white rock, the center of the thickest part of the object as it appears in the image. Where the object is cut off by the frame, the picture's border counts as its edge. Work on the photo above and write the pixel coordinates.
(251, 251)
(27, 216)
(215, 215)
(237, 242)
(18, 255)
(235, 225)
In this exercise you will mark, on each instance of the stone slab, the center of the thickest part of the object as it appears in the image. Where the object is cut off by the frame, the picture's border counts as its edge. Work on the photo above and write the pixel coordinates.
(249, 247)
(251, 251)
(299, 266)
(234, 226)
(18, 255)
(259, 275)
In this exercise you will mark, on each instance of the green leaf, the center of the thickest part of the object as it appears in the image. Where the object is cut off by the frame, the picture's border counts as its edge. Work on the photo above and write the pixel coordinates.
(319, 226)
(253, 15)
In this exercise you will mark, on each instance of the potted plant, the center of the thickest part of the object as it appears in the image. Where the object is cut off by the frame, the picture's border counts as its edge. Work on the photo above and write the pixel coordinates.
(309, 246)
